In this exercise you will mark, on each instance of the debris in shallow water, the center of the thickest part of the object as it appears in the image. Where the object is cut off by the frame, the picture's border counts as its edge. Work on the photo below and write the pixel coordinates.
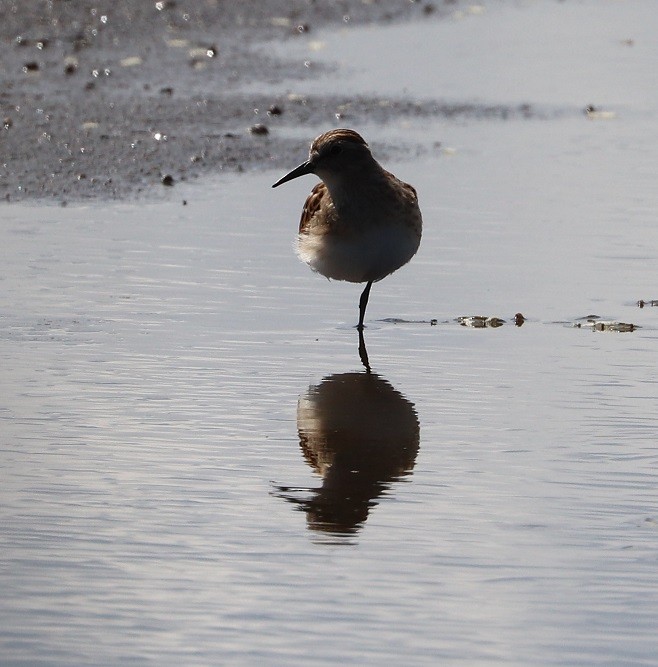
(651, 303)
(597, 114)
(480, 321)
(596, 324)
(167, 179)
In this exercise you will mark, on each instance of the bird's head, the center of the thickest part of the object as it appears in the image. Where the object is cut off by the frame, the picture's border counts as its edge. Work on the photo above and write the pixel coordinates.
(334, 153)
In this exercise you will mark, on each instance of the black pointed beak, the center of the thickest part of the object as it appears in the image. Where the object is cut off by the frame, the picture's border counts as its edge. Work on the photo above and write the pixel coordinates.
(302, 170)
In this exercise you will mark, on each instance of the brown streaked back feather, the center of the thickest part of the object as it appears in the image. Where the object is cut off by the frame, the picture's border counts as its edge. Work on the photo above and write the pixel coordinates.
(409, 190)
(312, 206)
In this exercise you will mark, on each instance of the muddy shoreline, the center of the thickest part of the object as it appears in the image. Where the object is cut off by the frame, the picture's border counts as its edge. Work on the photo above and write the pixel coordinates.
(115, 100)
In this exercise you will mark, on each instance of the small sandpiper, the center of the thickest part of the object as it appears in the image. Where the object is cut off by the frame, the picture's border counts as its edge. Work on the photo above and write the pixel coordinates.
(360, 223)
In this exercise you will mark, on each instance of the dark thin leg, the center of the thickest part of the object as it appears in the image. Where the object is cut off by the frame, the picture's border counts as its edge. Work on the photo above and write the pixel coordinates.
(363, 353)
(363, 302)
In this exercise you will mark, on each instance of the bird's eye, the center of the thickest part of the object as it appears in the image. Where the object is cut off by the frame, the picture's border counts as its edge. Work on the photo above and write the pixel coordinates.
(336, 149)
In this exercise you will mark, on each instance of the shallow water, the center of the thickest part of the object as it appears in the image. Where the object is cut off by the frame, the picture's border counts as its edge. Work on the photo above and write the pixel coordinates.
(196, 469)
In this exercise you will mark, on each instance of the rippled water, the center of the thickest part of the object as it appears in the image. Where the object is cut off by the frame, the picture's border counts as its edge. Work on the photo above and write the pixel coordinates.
(196, 469)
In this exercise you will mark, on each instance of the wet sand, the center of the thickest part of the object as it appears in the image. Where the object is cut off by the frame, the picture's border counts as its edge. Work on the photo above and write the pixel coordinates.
(114, 102)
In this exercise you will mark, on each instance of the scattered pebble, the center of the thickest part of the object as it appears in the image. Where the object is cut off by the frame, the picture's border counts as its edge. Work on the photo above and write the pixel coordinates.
(199, 55)
(259, 129)
(40, 44)
(130, 61)
(177, 43)
(101, 71)
(32, 66)
(167, 179)
(275, 110)
(280, 21)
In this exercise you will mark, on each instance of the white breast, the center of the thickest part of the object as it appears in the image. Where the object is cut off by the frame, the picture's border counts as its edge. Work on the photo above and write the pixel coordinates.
(372, 254)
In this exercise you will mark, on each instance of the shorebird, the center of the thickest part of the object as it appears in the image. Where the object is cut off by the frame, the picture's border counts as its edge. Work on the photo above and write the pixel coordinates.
(360, 223)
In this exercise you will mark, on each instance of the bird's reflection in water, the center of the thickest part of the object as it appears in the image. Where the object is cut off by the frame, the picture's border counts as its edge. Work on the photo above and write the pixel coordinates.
(360, 435)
